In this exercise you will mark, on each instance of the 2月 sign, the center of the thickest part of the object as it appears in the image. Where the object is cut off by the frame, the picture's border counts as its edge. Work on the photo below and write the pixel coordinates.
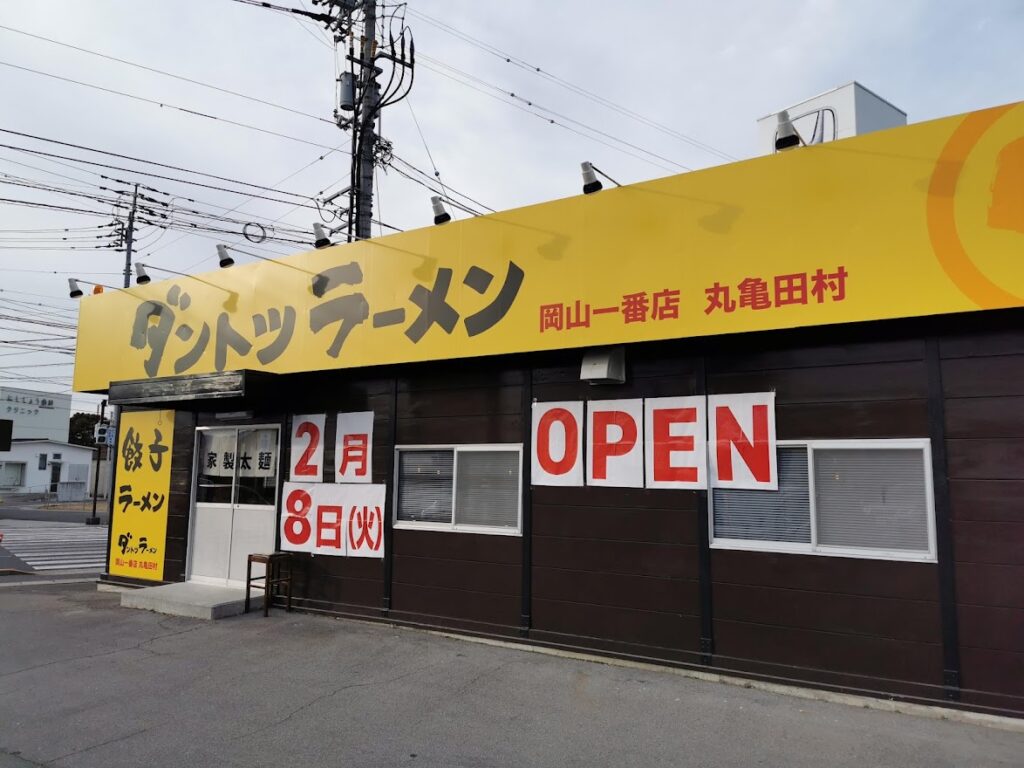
(353, 448)
(142, 486)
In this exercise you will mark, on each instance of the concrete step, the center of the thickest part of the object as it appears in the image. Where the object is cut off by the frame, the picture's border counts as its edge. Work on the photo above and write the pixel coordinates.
(197, 601)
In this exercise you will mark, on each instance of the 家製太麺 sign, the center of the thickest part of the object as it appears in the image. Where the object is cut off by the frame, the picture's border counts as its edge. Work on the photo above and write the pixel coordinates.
(920, 220)
(142, 485)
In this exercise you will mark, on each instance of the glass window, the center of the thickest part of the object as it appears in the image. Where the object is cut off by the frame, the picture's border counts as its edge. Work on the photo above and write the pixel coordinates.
(215, 466)
(11, 474)
(857, 498)
(42, 461)
(872, 499)
(257, 466)
(461, 487)
(425, 486)
(237, 466)
(487, 490)
(784, 515)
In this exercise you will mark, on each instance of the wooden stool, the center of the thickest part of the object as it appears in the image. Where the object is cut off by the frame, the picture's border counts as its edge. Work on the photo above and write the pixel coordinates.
(270, 578)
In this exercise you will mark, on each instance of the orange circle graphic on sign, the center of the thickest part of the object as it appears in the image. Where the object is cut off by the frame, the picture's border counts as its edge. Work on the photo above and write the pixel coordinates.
(941, 213)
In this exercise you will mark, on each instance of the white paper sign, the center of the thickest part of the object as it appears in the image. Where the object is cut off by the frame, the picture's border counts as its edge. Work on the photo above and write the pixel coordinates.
(741, 441)
(557, 455)
(307, 453)
(333, 519)
(253, 454)
(675, 442)
(615, 453)
(353, 448)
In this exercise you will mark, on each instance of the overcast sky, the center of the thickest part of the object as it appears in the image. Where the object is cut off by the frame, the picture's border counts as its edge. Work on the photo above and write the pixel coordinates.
(706, 71)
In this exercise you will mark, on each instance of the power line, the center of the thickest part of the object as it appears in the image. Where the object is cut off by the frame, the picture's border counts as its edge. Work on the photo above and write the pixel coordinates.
(579, 90)
(204, 174)
(249, 200)
(322, 17)
(533, 104)
(168, 74)
(154, 102)
(549, 120)
(160, 176)
(446, 196)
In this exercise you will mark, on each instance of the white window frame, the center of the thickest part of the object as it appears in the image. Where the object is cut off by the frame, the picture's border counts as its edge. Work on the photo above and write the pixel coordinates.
(454, 527)
(813, 548)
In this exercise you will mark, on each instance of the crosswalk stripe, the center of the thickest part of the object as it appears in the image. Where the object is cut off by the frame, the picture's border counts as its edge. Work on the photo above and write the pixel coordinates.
(53, 549)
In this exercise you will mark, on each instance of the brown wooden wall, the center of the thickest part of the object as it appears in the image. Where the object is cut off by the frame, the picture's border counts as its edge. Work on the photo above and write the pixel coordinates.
(983, 382)
(463, 580)
(844, 621)
(179, 504)
(624, 570)
(616, 568)
(346, 584)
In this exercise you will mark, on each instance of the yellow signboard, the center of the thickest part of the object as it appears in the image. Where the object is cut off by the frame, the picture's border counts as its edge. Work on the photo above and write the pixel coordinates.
(142, 487)
(926, 219)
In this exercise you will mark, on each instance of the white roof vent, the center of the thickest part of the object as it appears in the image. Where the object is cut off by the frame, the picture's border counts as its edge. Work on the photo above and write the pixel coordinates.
(849, 110)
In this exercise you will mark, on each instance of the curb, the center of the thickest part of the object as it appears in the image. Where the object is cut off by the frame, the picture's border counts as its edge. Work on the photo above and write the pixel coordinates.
(30, 583)
(927, 711)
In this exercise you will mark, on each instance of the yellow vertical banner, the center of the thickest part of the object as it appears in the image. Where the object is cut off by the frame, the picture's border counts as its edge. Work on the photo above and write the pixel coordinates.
(142, 488)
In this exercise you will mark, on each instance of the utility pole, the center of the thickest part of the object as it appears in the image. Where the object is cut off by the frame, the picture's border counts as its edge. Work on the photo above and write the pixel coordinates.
(129, 242)
(129, 239)
(368, 108)
(361, 97)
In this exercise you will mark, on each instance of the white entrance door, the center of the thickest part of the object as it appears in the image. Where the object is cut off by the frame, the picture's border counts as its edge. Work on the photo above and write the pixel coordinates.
(235, 511)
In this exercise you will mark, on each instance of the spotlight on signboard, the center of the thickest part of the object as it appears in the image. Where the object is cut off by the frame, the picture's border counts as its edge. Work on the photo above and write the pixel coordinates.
(322, 241)
(604, 366)
(786, 137)
(590, 181)
(224, 258)
(440, 214)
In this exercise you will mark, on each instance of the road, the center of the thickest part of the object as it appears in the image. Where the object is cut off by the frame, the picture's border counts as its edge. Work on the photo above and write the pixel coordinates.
(86, 683)
(52, 515)
(51, 547)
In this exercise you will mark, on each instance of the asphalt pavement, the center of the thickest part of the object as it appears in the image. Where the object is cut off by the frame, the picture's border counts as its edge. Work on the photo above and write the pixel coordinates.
(85, 683)
(68, 513)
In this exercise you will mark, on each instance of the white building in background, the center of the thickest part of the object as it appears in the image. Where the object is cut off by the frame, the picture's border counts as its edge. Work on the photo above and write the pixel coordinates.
(36, 415)
(46, 467)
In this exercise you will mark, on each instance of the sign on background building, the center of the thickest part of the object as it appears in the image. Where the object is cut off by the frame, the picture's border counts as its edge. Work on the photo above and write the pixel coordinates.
(36, 415)
(905, 222)
(142, 484)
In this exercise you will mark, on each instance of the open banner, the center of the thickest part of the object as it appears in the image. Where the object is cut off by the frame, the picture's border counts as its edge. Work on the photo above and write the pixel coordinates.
(333, 519)
(721, 441)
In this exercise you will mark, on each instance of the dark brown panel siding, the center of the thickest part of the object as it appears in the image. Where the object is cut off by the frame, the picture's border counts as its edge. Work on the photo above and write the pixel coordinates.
(983, 380)
(180, 499)
(475, 578)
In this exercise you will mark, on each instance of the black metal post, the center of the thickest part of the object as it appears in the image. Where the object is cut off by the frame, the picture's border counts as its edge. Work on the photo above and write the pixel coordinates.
(707, 629)
(943, 523)
(526, 606)
(389, 528)
(94, 519)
